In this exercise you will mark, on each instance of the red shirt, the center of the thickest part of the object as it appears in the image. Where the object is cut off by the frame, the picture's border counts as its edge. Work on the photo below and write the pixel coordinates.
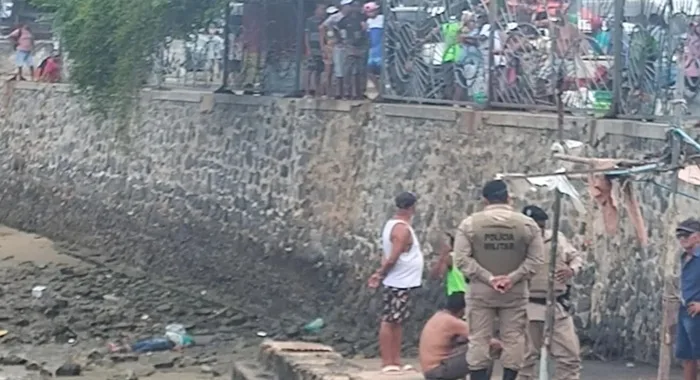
(51, 72)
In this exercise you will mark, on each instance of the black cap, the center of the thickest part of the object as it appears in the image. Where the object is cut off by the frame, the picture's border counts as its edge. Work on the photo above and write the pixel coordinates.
(689, 225)
(535, 213)
(405, 200)
(495, 189)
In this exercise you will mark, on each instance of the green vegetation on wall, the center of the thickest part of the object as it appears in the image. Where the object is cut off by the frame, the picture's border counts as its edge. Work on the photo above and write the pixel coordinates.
(111, 43)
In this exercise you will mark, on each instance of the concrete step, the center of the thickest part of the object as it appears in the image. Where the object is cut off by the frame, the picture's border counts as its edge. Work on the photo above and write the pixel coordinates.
(250, 370)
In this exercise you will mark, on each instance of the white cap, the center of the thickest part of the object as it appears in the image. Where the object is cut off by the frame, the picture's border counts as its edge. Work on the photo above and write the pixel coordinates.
(345, 2)
(331, 10)
(485, 30)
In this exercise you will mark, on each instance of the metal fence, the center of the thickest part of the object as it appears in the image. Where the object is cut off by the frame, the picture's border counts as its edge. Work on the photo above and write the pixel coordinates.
(519, 54)
(605, 57)
(255, 47)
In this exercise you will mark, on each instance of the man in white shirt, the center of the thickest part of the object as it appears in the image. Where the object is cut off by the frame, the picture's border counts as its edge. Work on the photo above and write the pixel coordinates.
(400, 273)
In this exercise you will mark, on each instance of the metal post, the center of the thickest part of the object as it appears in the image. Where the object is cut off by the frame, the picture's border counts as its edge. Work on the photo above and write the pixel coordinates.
(16, 9)
(227, 49)
(300, 45)
(670, 300)
(490, 69)
(384, 84)
(618, 35)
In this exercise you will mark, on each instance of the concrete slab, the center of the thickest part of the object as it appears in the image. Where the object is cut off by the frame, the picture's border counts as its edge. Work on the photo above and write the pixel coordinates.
(285, 359)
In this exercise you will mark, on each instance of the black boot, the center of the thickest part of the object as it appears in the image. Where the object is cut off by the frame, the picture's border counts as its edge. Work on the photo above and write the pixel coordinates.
(509, 374)
(482, 374)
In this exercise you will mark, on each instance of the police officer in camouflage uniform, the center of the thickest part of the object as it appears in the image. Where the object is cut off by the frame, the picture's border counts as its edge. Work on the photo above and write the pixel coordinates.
(565, 348)
(499, 249)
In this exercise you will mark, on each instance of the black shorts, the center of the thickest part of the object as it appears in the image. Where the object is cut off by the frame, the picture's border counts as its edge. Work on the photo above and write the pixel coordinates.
(448, 72)
(315, 64)
(374, 69)
(396, 305)
(455, 367)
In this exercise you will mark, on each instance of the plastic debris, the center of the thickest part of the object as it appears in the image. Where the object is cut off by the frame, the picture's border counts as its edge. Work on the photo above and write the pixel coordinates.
(38, 291)
(314, 326)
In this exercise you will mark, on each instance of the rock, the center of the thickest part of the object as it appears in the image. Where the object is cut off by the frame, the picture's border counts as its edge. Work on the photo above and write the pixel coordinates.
(122, 358)
(237, 320)
(164, 308)
(95, 355)
(164, 362)
(146, 372)
(187, 361)
(128, 375)
(210, 370)
(69, 369)
(110, 298)
(12, 360)
(32, 366)
(208, 360)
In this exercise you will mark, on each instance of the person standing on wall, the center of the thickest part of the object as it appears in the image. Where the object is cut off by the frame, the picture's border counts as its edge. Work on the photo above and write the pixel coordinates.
(499, 250)
(400, 273)
(339, 53)
(688, 330)
(565, 348)
(24, 46)
(314, 65)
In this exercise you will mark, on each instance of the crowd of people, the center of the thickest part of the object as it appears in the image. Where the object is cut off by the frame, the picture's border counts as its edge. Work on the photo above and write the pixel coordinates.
(495, 271)
(343, 49)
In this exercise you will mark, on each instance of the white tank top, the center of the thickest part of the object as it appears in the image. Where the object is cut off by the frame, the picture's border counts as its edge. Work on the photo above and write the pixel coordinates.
(408, 270)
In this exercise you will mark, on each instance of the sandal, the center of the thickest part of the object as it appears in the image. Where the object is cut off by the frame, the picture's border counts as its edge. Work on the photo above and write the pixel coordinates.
(391, 369)
(408, 368)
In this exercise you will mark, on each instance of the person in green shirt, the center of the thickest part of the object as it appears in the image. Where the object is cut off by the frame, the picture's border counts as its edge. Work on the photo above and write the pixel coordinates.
(450, 32)
(454, 278)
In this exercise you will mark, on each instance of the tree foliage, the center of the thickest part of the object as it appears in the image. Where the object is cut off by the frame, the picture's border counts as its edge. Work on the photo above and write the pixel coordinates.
(111, 43)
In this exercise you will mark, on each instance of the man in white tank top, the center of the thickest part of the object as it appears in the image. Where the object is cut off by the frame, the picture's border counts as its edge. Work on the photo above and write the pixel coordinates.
(400, 273)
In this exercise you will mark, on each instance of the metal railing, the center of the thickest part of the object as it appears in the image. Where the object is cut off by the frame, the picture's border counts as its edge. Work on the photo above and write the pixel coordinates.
(519, 54)
(254, 48)
(607, 58)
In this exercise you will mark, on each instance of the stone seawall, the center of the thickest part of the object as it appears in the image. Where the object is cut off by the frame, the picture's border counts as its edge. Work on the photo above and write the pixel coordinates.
(277, 203)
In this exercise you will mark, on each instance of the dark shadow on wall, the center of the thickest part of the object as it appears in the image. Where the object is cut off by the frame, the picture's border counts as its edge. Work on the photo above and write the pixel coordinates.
(267, 282)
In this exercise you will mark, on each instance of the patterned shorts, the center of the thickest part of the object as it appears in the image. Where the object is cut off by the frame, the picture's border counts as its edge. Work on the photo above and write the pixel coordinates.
(396, 305)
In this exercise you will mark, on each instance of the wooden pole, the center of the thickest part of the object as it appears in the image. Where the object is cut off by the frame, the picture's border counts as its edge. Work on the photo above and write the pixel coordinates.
(551, 301)
(670, 300)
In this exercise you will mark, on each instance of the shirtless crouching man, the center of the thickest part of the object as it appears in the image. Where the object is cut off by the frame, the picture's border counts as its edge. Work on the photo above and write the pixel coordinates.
(444, 340)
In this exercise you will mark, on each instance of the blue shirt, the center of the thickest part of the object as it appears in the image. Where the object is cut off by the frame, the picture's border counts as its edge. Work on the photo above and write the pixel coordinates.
(690, 278)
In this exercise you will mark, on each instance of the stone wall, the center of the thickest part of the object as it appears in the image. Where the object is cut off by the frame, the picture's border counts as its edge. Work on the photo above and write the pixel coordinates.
(277, 203)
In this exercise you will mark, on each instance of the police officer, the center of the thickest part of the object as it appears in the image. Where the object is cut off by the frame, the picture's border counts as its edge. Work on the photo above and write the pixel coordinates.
(499, 249)
(565, 349)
